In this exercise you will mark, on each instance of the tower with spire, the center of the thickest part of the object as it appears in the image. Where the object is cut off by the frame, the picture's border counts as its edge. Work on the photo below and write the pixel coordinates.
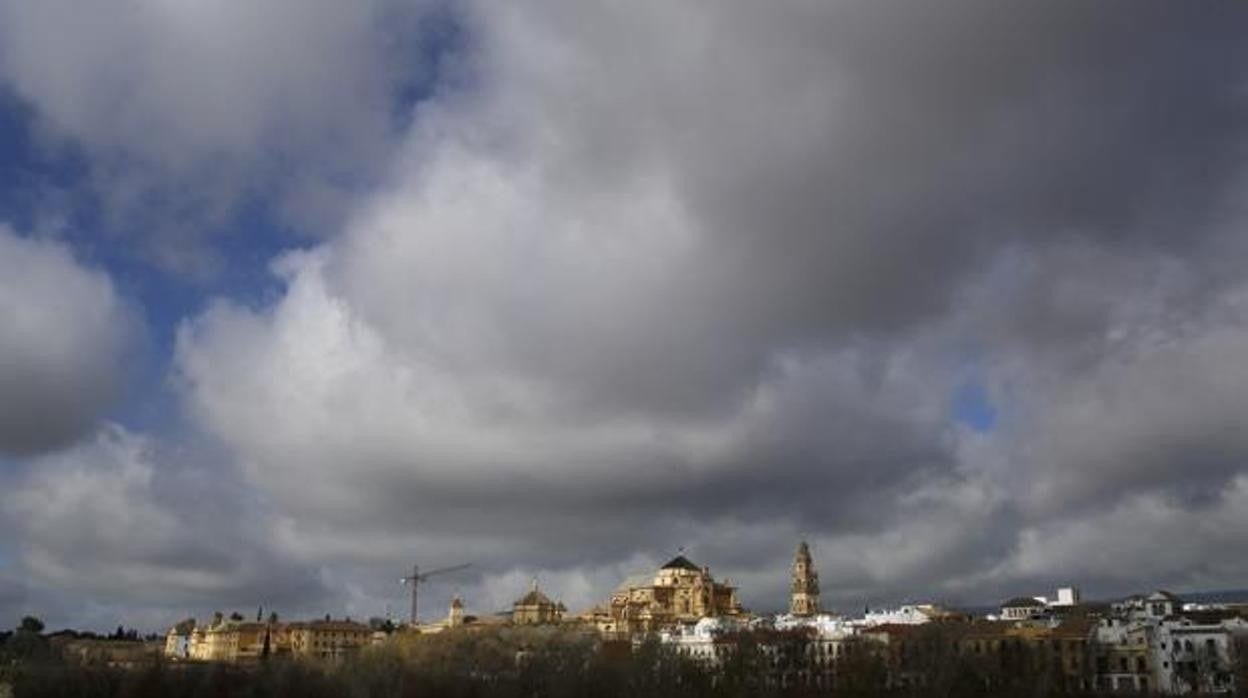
(804, 597)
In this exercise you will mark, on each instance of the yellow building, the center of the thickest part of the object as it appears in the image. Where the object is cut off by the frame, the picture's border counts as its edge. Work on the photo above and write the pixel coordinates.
(328, 639)
(680, 592)
(232, 641)
(535, 608)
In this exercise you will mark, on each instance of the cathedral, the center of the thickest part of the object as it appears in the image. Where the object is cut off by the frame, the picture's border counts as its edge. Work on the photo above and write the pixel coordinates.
(804, 595)
(536, 608)
(680, 592)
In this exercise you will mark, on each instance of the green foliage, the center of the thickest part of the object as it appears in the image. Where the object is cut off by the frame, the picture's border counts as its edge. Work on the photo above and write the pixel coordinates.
(31, 624)
(546, 662)
(26, 643)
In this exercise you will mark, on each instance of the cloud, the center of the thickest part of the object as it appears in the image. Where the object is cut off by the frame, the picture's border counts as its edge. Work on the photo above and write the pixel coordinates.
(122, 521)
(65, 345)
(723, 290)
(309, 392)
(189, 114)
(1164, 539)
(13, 594)
(650, 276)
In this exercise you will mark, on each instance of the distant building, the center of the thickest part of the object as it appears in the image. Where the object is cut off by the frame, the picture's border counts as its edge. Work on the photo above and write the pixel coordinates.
(1157, 605)
(1197, 653)
(178, 640)
(680, 592)
(804, 595)
(328, 639)
(1022, 608)
(455, 618)
(1067, 596)
(1124, 660)
(226, 640)
(535, 608)
(909, 614)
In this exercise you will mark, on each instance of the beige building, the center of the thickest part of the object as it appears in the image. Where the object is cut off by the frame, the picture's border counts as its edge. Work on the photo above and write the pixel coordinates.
(455, 618)
(237, 641)
(178, 640)
(328, 639)
(227, 641)
(535, 608)
(680, 592)
(804, 595)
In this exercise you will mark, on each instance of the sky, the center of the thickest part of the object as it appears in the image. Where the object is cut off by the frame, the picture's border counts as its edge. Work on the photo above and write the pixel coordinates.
(297, 294)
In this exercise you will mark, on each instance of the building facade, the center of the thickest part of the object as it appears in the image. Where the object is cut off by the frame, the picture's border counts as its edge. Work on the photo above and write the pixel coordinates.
(804, 594)
(679, 593)
(328, 639)
(536, 608)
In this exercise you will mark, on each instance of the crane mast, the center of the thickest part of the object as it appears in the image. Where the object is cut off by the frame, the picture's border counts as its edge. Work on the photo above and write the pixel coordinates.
(417, 578)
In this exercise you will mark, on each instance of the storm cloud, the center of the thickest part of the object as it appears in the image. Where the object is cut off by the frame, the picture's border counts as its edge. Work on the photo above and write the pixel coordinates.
(638, 277)
(63, 350)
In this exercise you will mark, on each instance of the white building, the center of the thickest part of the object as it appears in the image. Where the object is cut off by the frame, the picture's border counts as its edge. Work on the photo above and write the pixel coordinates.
(703, 641)
(1191, 655)
(1066, 596)
(1022, 608)
(1155, 606)
(910, 614)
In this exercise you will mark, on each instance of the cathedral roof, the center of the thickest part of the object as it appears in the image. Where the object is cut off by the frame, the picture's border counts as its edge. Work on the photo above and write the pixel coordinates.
(680, 562)
(534, 598)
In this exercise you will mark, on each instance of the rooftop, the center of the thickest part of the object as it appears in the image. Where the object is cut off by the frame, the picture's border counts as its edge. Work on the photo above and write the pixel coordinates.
(1022, 602)
(680, 562)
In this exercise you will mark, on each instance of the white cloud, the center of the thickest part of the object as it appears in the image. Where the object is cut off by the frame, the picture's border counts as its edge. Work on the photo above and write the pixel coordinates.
(120, 521)
(187, 112)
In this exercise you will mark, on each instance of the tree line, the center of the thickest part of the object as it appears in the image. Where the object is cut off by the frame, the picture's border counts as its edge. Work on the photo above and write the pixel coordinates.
(550, 662)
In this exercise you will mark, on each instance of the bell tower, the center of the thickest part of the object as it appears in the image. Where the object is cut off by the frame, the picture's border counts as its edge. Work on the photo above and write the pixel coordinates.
(456, 617)
(804, 599)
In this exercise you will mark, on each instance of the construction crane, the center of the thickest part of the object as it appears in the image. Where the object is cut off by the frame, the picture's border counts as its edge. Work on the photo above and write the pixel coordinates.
(416, 578)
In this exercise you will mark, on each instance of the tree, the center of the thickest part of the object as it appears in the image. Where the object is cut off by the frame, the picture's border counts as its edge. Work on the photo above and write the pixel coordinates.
(27, 642)
(31, 624)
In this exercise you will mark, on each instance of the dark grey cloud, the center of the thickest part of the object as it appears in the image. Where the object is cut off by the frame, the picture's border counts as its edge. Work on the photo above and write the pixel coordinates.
(64, 345)
(13, 594)
(733, 281)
